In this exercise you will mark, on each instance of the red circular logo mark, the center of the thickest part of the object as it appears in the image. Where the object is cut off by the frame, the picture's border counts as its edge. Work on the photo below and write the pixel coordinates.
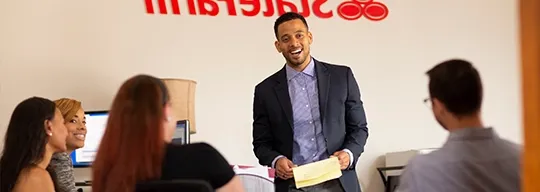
(350, 10)
(354, 9)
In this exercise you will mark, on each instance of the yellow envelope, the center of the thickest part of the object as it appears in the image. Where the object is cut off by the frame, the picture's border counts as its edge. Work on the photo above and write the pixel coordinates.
(316, 172)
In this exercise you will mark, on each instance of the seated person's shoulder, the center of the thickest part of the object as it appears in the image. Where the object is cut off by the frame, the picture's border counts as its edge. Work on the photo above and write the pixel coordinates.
(412, 174)
(514, 147)
(414, 162)
(419, 164)
(34, 178)
(194, 150)
(35, 175)
(424, 158)
(197, 161)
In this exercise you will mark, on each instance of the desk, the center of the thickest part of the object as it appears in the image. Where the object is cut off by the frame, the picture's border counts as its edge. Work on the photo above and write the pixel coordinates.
(271, 172)
(87, 185)
(390, 181)
(395, 163)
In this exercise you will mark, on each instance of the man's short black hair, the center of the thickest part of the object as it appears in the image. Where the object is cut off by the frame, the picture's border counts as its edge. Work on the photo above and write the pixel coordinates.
(288, 17)
(457, 84)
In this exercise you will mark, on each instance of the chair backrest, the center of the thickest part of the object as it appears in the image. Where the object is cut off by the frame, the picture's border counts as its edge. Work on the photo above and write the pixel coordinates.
(256, 183)
(174, 185)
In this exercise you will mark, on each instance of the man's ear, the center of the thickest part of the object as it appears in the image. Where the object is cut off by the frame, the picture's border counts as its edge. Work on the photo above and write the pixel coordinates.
(276, 44)
(310, 36)
(438, 105)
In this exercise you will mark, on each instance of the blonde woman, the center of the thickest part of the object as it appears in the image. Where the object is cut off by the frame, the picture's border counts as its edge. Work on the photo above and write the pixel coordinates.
(61, 166)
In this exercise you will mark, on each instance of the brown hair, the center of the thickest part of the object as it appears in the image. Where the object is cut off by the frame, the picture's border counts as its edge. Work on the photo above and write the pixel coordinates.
(132, 146)
(68, 107)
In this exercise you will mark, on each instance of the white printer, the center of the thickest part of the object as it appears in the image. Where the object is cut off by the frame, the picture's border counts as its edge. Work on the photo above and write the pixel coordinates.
(395, 162)
(401, 158)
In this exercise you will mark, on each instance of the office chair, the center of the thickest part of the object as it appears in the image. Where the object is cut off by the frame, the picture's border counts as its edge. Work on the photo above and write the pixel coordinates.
(256, 183)
(174, 186)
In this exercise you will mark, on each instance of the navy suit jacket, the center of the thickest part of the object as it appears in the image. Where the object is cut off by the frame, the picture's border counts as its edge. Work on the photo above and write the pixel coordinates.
(343, 119)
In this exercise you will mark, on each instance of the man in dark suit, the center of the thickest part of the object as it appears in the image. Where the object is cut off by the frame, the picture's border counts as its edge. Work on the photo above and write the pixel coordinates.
(307, 111)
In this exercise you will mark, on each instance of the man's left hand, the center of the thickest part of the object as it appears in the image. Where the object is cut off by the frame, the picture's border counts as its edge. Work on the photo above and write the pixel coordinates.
(343, 158)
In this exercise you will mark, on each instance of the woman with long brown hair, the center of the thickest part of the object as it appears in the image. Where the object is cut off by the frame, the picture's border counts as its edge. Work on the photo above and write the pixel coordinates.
(136, 145)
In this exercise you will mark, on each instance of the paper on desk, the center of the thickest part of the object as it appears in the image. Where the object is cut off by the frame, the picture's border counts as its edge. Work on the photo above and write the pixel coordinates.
(317, 172)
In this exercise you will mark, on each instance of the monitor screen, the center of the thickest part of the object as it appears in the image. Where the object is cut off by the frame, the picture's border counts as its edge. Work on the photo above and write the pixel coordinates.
(96, 121)
(181, 133)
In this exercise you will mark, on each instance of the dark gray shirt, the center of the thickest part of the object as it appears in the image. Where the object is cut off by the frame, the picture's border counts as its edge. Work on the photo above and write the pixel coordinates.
(61, 169)
(475, 160)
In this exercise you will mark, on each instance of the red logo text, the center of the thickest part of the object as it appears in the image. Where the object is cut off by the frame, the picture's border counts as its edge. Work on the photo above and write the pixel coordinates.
(348, 10)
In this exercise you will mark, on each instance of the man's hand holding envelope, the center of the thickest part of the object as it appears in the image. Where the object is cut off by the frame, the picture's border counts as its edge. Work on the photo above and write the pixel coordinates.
(319, 172)
(284, 168)
(343, 157)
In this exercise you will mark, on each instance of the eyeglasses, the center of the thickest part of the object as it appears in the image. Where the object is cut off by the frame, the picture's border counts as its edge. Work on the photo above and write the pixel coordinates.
(427, 102)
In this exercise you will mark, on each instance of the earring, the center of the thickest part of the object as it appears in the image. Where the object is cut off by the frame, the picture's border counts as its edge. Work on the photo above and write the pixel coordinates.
(168, 119)
(50, 133)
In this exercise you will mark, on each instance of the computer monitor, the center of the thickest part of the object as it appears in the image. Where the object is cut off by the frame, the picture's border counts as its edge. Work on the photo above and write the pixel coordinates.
(96, 121)
(181, 134)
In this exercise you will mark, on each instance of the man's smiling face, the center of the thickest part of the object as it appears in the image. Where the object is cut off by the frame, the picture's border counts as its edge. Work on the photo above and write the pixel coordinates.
(293, 42)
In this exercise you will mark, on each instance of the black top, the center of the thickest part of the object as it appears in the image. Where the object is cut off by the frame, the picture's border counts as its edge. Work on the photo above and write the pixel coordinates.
(196, 161)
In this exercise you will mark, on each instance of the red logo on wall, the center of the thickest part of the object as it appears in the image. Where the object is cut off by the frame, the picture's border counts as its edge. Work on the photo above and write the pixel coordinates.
(349, 10)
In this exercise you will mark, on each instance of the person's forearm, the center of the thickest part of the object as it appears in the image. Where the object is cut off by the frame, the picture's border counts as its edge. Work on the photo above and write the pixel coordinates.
(265, 155)
(355, 141)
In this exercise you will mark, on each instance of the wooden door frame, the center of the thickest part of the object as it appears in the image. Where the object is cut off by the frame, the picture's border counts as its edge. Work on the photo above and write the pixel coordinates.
(529, 12)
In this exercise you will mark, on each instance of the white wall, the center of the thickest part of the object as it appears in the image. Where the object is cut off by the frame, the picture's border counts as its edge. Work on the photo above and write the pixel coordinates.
(85, 49)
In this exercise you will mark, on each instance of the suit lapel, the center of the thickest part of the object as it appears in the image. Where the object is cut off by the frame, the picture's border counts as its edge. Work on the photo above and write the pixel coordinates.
(323, 79)
(282, 92)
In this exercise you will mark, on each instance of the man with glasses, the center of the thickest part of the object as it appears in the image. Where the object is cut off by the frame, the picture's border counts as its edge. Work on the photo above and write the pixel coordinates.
(474, 157)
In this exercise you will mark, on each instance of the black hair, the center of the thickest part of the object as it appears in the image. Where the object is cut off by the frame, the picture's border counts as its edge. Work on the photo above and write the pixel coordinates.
(25, 139)
(288, 17)
(457, 84)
